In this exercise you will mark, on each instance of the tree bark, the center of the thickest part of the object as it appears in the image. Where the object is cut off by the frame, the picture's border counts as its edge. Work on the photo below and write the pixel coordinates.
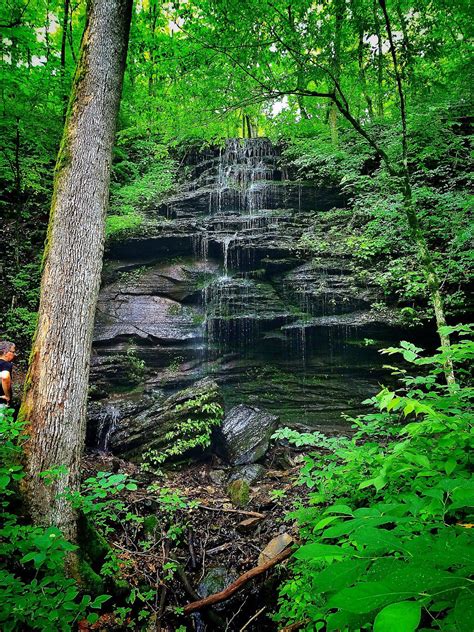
(380, 108)
(54, 404)
(426, 260)
(339, 9)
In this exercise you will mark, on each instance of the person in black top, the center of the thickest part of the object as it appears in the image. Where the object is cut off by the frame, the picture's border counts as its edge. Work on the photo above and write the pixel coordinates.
(7, 355)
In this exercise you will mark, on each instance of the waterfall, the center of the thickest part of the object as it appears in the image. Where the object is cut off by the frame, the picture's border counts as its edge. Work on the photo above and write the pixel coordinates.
(249, 306)
(226, 248)
(108, 419)
(245, 176)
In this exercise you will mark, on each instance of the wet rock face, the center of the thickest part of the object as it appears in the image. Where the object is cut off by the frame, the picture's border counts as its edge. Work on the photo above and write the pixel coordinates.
(327, 287)
(219, 289)
(245, 434)
(149, 302)
(138, 424)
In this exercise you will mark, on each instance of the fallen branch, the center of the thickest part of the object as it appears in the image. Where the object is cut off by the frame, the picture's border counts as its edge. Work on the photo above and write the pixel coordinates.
(237, 585)
(255, 514)
(219, 549)
(213, 616)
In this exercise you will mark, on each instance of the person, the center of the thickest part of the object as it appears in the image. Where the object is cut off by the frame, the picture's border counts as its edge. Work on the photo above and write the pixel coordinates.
(7, 355)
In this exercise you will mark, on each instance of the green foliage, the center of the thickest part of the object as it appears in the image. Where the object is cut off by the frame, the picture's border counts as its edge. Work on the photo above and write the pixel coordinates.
(35, 593)
(124, 224)
(202, 415)
(136, 366)
(143, 173)
(20, 325)
(374, 229)
(387, 543)
(97, 498)
(306, 439)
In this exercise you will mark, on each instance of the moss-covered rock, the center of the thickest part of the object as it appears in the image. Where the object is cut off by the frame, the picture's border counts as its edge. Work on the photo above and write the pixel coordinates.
(239, 493)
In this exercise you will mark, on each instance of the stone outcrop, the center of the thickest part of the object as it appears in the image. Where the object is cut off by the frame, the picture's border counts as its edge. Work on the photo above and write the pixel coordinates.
(140, 424)
(220, 287)
(245, 434)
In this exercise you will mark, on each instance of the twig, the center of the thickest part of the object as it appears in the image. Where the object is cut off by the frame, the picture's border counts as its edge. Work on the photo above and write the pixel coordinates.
(236, 614)
(257, 614)
(164, 589)
(146, 553)
(218, 549)
(255, 514)
(203, 554)
(237, 585)
(191, 549)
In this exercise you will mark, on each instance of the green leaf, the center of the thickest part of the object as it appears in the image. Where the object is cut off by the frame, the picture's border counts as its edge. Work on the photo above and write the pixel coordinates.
(348, 526)
(98, 601)
(339, 575)
(464, 610)
(378, 482)
(417, 459)
(339, 509)
(463, 496)
(366, 597)
(377, 540)
(324, 522)
(450, 466)
(316, 551)
(403, 616)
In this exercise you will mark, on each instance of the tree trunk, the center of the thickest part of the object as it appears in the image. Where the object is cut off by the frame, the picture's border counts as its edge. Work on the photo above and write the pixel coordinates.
(432, 280)
(339, 17)
(54, 403)
(362, 77)
(380, 108)
(426, 260)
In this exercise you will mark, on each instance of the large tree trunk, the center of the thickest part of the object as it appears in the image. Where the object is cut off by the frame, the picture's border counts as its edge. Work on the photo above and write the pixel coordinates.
(54, 403)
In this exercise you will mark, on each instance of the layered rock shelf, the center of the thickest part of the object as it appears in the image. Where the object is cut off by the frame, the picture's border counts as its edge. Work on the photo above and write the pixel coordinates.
(221, 289)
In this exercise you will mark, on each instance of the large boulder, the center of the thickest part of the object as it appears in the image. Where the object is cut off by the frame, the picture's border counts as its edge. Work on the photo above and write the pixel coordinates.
(245, 434)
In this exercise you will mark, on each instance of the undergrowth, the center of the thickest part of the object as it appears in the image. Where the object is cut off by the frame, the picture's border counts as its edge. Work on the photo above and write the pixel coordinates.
(387, 531)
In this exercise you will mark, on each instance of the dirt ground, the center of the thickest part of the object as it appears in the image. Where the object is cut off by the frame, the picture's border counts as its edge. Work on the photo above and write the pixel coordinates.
(204, 541)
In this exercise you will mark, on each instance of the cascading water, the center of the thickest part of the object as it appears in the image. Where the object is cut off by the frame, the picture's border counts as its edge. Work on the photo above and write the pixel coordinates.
(108, 419)
(245, 183)
(228, 291)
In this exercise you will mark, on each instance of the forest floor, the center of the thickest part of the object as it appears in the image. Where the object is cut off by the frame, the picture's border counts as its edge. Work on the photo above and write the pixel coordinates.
(188, 525)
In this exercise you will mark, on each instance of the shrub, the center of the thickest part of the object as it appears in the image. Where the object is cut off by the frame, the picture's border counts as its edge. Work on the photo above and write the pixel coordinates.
(387, 539)
(202, 416)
